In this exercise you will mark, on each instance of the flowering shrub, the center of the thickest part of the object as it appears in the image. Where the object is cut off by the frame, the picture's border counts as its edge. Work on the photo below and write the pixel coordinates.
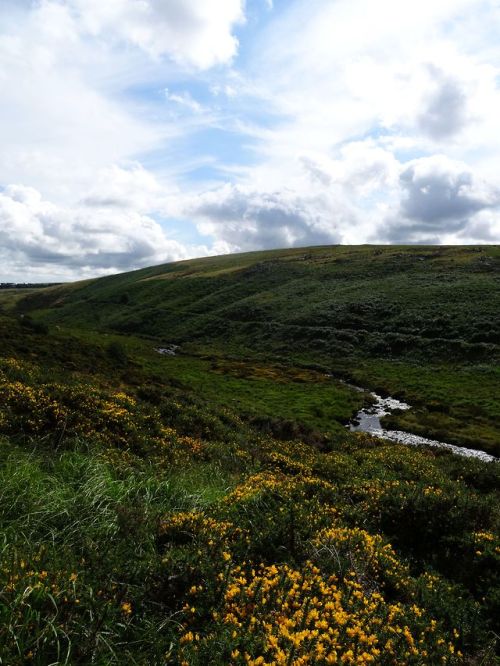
(281, 615)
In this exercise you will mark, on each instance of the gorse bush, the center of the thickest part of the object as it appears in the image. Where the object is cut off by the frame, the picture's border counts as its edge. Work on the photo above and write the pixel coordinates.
(287, 615)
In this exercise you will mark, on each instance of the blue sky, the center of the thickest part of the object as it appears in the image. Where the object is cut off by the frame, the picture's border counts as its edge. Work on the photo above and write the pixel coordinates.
(138, 133)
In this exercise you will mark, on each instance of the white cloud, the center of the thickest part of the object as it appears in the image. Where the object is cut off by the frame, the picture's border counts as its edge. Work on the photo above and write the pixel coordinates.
(58, 124)
(314, 199)
(132, 188)
(365, 121)
(361, 168)
(193, 33)
(443, 199)
(251, 219)
(483, 228)
(69, 128)
(439, 189)
(445, 111)
(66, 70)
(47, 238)
(416, 79)
(184, 99)
(337, 71)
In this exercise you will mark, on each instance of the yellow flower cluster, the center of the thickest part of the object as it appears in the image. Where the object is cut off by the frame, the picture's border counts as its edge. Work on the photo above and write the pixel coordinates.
(305, 485)
(293, 617)
(11, 366)
(80, 409)
(286, 464)
(179, 448)
(256, 484)
(368, 556)
(23, 579)
(197, 526)
(30, 407)
(486, 541)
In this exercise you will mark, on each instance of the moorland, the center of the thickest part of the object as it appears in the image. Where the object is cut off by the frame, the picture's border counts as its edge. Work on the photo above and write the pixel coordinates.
(211, 506)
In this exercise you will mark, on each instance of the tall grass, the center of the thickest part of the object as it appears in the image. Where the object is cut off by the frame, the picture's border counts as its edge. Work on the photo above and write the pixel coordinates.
(78, 546)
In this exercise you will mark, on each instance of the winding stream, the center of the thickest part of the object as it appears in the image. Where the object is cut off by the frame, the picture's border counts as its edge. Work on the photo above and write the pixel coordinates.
(368, 420)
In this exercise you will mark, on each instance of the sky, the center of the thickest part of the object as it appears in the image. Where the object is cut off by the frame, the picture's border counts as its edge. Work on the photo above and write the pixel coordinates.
(137, 132)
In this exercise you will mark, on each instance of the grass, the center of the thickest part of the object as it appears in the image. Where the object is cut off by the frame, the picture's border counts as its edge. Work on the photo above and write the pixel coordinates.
(396, 301)
(289, 394)
(77, 534)
(108, 556)
(211, 507)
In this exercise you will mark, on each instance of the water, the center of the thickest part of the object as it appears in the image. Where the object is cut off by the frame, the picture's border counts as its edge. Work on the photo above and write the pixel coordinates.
(170, 350)
(368, 420)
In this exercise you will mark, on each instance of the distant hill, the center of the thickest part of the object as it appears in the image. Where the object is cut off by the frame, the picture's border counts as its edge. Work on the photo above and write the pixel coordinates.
(412, 301)
(27, 285)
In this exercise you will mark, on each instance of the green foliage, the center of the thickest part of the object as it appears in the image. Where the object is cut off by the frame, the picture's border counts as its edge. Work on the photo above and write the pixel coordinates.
(211, 507)
(420, 322)
(116, 352)
(397, 302)
(36, 326)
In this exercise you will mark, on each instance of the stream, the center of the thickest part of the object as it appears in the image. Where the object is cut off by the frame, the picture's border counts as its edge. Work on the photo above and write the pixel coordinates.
(368, 420)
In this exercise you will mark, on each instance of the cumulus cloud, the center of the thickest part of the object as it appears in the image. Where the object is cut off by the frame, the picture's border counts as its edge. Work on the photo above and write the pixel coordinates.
(438, 189)
(441, 197)
(68, 71)
(248, 219)
(45, 237)
(313, 200)
(193, 33)
(132, 188)
(426, 81)
(361, 167)
(59, 123)
(332, 128)
(483, 228)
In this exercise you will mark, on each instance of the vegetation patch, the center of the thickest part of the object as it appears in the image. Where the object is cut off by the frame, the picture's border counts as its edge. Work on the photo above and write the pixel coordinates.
(212, 507)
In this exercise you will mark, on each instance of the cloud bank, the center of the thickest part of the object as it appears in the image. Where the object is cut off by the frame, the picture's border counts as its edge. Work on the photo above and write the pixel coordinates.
(90, 241)
(441, 197)
(193, 33)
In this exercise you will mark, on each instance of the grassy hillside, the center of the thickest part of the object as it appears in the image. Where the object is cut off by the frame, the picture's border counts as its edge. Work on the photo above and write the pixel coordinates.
(151, 516)
(398, 301)
(422, 323)
(211, 508)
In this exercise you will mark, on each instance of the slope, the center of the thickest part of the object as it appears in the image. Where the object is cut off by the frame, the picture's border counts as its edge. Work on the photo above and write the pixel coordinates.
(422, 323)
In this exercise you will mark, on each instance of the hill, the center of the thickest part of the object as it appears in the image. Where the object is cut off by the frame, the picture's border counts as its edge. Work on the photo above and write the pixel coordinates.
(420, 323)
(207, 505)
(393, 301)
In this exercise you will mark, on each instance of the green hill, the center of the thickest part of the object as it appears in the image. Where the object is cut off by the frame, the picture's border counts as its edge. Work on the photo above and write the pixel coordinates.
(391, 301)
(421, 323)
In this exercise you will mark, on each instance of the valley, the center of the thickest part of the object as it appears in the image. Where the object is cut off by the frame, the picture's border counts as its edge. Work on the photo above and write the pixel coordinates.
(180, 484)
